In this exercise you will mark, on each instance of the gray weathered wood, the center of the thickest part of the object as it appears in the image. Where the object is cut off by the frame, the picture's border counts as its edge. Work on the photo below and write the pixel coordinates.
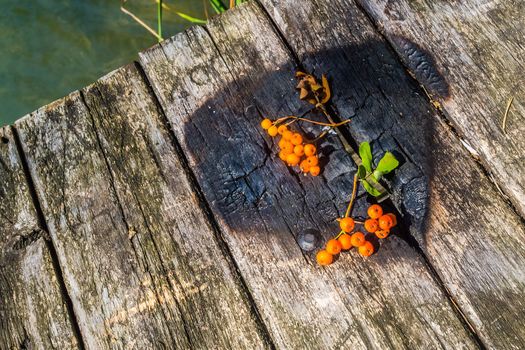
(33, 314)
(473, 239)
(214, 98)
(478, 48)
(142, 264)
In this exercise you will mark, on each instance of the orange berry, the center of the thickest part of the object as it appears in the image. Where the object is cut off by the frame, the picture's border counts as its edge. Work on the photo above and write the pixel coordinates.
(347, 224)
(287, 146)
(357, 239)
(283, 155)
(309, 150)
(312, 160)
(299, 150)
(287, 135)
(297, 139)
(281, 143)
(272, 131)
(366, 249)
(266, 124)
(346, 241)
(333, 247)
(382, 233)
(324, 258)
(281, 129)
(304, 166)
(385, 222)
(375, 211)
(292, 159)
(394, 219)
(371, 225)
(315, 170)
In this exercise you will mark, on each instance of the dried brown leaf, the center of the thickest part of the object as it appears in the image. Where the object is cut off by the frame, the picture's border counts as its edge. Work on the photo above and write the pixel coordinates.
(310, 80)
(327, 92)
(303, 94)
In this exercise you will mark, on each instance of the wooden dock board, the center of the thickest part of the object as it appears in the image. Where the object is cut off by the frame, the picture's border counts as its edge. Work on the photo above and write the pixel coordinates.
(33, 313)
(465, 229)
(141, 262)
(477, 47)
(173, 224)
(215, 112)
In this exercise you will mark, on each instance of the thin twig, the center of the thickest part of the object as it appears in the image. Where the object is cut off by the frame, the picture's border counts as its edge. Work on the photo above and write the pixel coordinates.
(281, 120)
(139, 21)
(355, 157)
(504, 123)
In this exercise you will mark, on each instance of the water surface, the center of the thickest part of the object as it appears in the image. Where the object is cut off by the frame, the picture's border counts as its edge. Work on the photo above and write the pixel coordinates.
(52, 47)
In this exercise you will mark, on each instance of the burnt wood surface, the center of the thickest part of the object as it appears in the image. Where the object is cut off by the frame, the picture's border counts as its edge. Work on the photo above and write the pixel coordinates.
(451, 209)
(471, 58)
(262, 205)
(150, 210)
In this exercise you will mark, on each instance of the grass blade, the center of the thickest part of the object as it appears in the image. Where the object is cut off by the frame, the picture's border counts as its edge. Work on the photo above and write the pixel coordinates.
(159, 20)
(218, 6)
(191, 19)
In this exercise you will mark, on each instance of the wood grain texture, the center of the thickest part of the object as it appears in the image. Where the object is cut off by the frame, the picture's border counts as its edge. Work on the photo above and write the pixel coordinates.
(33, 314)
(471, 236)
(477, 46)
(141, 262)
(215, 84)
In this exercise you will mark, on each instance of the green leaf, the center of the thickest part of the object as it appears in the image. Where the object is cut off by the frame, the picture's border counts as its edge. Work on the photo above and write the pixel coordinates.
(372, 191)
(386, 164)
(361, 172)
(366, 155)
(377, 175)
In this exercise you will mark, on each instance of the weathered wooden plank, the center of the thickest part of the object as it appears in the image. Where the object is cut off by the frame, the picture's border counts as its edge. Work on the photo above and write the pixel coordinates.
(141, 262)
(214, 99)
(163, 208)
(471, 236)
(477, 46)
(33, 313)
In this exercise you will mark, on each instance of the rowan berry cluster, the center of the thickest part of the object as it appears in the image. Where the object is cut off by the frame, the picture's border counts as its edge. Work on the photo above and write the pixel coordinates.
(378, 223)
(292, 149)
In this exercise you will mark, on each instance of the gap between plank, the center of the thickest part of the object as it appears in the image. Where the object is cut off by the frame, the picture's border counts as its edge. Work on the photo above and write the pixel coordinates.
(205, 206)
(49, 241)
(408, 238)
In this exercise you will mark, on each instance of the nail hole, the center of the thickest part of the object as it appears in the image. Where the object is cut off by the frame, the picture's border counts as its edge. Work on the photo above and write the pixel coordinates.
(4, 139)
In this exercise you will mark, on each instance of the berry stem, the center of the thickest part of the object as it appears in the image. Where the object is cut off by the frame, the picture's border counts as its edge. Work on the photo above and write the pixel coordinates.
(339, 234)
(354, 192)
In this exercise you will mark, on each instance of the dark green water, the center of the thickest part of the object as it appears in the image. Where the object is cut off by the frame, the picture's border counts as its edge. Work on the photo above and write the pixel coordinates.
(52, 47)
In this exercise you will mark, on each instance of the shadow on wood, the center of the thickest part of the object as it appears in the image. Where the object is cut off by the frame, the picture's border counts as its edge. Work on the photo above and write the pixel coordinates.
(256, 193)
